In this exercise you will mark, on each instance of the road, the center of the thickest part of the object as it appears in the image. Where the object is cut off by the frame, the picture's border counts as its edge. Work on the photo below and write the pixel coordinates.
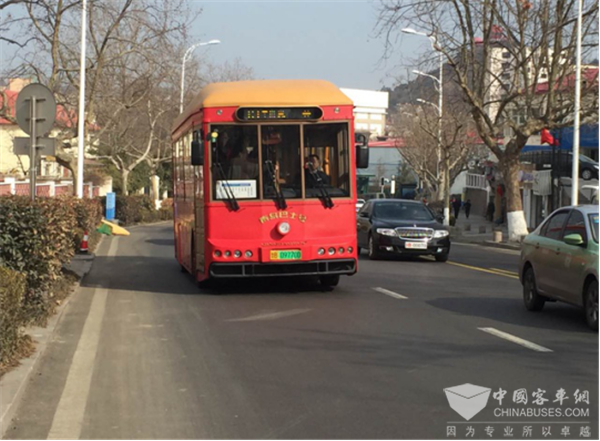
(142, 353)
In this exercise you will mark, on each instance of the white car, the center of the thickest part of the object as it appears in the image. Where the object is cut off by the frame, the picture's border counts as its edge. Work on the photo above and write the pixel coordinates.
(359, 204)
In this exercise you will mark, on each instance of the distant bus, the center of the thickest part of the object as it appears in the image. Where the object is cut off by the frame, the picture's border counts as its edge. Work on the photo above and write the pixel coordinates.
(264, 181)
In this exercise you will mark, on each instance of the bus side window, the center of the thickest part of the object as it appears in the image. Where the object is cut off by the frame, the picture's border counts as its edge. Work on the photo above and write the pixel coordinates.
(198, 148)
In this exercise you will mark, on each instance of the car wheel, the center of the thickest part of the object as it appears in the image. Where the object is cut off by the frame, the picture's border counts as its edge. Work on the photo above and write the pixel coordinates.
(591, 305)
(533, 301)
(441, 257)
(373, 254)
(586, 174)
(330, 280)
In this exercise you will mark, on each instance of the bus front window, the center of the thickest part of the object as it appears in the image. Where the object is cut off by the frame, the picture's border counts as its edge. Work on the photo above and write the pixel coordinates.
(281, 161)
(326, 160)
(235, 162)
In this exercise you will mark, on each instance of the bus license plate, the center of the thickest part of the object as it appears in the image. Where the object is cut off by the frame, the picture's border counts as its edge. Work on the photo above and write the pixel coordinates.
(416, 245)
(285, 254)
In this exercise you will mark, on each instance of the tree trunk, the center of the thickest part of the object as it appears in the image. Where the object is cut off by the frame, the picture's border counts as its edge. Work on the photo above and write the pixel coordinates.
(517, 227)
(125, 182)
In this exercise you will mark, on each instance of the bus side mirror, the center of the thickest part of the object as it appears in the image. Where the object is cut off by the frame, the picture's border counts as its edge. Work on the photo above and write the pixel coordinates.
(362, 151)
(197, 153)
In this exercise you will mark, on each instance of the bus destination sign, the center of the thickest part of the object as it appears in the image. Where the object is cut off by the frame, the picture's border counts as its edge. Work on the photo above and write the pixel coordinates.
(279, 113)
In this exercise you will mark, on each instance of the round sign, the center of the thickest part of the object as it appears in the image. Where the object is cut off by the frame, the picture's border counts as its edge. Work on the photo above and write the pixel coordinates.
(45, 109)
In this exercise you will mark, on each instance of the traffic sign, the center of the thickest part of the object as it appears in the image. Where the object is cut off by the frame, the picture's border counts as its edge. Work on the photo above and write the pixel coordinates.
(22, 145)
(45, 109)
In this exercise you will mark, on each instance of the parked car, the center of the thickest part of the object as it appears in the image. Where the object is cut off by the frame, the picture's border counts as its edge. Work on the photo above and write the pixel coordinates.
(543, 159)
(559, 261)
(401, 227)
(359, 204)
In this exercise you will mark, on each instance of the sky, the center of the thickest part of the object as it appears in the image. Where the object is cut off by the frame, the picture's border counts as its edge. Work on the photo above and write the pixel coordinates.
(330, 40)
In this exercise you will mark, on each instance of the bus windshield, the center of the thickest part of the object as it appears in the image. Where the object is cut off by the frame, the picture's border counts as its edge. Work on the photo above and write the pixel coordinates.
(293, 161)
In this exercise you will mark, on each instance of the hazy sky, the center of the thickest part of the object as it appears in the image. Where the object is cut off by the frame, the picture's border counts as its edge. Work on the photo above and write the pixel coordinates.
(333, 40)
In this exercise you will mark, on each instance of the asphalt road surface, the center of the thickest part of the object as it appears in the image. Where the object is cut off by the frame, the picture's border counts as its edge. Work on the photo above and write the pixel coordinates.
(142, 353)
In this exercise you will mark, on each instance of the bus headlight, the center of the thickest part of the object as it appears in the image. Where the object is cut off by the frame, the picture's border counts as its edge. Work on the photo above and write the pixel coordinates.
(283, 228)
(331, 251)
(217, 253)
(321, 251)
(248, 253)
(340, 250)
(227, 253)
(237, 253)
(350, 249)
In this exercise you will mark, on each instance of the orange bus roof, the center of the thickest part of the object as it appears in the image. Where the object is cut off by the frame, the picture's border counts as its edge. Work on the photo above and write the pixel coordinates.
(271, 93)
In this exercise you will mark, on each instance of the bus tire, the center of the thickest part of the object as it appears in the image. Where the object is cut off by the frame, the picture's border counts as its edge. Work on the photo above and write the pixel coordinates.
(330, 280)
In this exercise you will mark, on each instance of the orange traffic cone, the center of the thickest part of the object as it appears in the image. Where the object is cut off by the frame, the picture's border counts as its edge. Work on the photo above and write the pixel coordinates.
(84, 243)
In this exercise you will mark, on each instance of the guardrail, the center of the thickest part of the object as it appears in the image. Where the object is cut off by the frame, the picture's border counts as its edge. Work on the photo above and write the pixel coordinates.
(476, 181)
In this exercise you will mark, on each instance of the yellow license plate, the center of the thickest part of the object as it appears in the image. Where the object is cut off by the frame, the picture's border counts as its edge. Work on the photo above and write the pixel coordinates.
(285, 254)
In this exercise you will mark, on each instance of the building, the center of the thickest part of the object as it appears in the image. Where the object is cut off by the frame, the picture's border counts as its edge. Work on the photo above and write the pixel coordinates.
(370, 110)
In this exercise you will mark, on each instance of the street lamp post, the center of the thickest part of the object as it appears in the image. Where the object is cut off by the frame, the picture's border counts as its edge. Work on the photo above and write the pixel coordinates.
(440, 107)
(81, 120)
(576, 116)
(186, 57)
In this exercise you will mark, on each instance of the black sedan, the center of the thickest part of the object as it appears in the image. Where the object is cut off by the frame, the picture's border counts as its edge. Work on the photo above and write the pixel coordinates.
(395, 226)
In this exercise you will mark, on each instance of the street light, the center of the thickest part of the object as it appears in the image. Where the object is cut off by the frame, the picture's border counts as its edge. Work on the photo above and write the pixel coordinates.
(81, 120)
(186, 57)
(439, 107)
(576, 106)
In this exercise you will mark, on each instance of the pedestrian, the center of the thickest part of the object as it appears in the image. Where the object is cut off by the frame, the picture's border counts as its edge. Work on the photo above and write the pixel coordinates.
(467, 206)
(456, 206)
(491, 208)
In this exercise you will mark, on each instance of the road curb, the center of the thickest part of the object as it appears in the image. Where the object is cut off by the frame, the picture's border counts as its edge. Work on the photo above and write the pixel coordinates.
(12, 384)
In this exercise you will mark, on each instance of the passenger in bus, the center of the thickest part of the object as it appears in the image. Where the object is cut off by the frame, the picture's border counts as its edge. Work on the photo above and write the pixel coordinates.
(313, 173)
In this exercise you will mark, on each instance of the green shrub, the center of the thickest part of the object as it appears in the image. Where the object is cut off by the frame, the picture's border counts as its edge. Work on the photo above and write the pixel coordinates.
(38, 238)
(12, 320)
(134, 209)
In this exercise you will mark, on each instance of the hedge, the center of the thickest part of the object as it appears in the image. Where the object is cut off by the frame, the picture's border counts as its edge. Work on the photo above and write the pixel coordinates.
(12, 319)
(38, 238)
(135, 209)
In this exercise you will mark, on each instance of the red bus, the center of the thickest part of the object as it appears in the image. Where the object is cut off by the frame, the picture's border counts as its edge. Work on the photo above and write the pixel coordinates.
(264, 181)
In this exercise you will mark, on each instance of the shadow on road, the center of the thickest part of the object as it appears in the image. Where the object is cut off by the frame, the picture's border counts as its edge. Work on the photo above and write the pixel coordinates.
(163, 275)
(162, 242)
(555, 316)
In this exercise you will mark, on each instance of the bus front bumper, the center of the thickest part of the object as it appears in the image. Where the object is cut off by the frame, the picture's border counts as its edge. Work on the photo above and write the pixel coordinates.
(256, 269)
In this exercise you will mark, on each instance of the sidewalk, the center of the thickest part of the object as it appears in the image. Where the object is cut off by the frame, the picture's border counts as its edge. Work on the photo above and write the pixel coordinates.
(477, 229)
(12, 384)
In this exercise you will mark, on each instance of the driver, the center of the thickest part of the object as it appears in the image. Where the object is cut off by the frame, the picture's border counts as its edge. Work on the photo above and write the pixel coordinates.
(313, 172)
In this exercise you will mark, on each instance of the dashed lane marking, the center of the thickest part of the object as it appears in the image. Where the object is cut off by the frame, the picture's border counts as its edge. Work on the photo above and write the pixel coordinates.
(393, 294)
(515, 339)
(485, 270)
(270, 315)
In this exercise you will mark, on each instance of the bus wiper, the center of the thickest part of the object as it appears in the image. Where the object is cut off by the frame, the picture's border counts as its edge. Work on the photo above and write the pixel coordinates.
(228, 192)
(279, 197)
(327, 202)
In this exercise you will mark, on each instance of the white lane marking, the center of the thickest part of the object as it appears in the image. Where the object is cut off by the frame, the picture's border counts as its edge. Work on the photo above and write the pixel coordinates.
(112, 249)
(270, 315)
(68, 418)
(514, 339)
(393, 294)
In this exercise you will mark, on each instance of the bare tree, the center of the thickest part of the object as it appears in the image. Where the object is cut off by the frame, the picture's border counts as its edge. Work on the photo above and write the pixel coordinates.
(418, 128)
(513, 61)
(117, 29)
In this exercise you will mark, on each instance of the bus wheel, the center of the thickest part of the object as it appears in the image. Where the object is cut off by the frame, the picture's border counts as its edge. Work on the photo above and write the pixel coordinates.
(330, 280)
